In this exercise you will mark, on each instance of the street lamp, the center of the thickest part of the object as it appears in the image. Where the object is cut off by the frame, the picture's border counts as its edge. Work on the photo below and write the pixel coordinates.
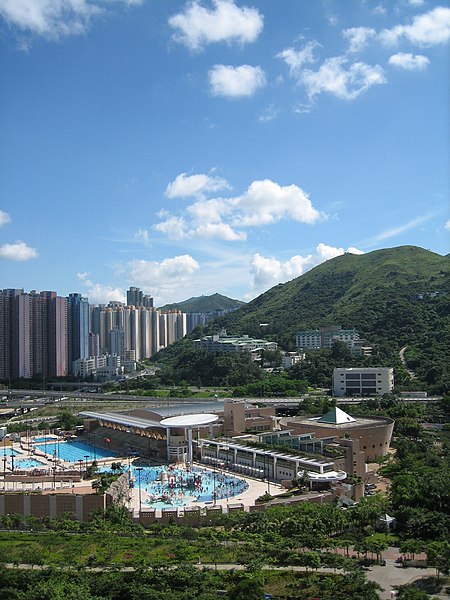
(214, 482)
(268, 471)
(12, 461)
(86, 456)
(95, 446)
(139, 469)
(81, 466)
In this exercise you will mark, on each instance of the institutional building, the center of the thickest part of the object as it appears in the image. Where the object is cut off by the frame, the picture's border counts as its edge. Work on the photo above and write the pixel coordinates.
(370, 381)
(246, 438)
(316, 339)
(374, 433)
(223, 342)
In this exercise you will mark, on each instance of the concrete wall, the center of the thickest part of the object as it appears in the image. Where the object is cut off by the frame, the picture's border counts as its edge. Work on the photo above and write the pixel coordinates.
(53, 505)
(374, 438)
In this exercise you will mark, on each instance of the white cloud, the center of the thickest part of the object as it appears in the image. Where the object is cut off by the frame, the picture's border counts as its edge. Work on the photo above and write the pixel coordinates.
(295, 59)
(197, 185)
(163, 278)
(353, 250)
(263, 203)
(408, 61)
(447, 225)
(198, 26)
(54, 19)
(379, 10)
(268, 114)
(143, 236)
(267, 272)
(173, 227)
(395, 231)
(428, 29)
(267, 202)
(19, 251)
(345, 83)
(358, 37)
(326, 252)
(103, 294)
(211, 211)
(99, 293)
(221, 231)
(206, 221)
(235, 82)
(4, 218)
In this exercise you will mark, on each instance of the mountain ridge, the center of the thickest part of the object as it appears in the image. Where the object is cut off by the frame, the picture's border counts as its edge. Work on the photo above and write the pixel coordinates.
(377, 293)
(204, 304)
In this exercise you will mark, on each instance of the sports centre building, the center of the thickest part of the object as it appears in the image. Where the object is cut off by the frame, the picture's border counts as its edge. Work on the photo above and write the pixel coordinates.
(244, 438)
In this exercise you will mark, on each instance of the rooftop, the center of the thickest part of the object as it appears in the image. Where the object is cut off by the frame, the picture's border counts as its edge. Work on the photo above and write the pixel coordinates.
(336, 416)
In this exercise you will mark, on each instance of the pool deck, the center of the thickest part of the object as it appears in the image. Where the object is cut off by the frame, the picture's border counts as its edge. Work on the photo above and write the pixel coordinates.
(256, 487)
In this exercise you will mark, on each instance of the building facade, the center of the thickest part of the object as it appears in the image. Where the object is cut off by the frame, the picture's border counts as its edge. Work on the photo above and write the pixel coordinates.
(223, 342)
(316, 339)
(370, 381)
(33, 334)
(77, 328)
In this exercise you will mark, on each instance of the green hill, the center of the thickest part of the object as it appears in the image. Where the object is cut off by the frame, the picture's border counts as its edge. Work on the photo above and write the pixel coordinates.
(205, 304)
(377, 293)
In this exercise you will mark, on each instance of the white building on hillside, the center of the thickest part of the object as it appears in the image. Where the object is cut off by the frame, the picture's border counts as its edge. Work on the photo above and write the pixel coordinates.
(370, 381)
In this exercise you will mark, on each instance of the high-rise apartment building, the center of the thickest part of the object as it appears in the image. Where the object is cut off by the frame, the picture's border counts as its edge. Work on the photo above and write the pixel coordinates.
(33, 334)
(77, 328)
(41, 332)
(135, 297)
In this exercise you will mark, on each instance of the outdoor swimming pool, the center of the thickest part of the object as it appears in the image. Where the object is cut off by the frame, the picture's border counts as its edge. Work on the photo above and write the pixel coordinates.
(40, 440)
(9, 451)
(75, 450)
(28, 463)
(170, 487)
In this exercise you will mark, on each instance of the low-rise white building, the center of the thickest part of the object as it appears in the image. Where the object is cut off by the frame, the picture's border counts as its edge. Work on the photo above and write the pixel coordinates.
(232, 343)
(369, 381)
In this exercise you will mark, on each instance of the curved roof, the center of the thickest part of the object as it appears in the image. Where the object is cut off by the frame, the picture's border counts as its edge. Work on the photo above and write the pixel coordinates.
(327, 476)
(189, 420)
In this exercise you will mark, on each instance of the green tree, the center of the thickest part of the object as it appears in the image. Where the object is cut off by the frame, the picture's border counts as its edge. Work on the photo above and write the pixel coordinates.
(438, 556)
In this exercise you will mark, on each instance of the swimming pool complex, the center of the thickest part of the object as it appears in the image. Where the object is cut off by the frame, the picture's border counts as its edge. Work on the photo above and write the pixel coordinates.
(22, 464)
(171, 487)
(75, 450)
(10, 451)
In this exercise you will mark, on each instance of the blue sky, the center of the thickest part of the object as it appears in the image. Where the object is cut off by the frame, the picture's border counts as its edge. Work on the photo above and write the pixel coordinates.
(197, 147)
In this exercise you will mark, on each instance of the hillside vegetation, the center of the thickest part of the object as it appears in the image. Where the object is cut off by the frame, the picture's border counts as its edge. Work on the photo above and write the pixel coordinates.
(205, 304)
(377, 293)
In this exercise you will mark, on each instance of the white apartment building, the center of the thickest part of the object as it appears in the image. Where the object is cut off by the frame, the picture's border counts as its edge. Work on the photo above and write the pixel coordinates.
(315, 339)
(370, 381)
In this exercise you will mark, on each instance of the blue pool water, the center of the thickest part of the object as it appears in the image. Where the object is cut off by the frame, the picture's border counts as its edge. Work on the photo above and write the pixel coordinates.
(9, 451)
(75, 450)
(170, 487)
(28, 463)
(39, 440)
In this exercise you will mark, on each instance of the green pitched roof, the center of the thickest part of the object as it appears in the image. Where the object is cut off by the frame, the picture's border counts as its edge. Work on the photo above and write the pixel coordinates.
(336, 416)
